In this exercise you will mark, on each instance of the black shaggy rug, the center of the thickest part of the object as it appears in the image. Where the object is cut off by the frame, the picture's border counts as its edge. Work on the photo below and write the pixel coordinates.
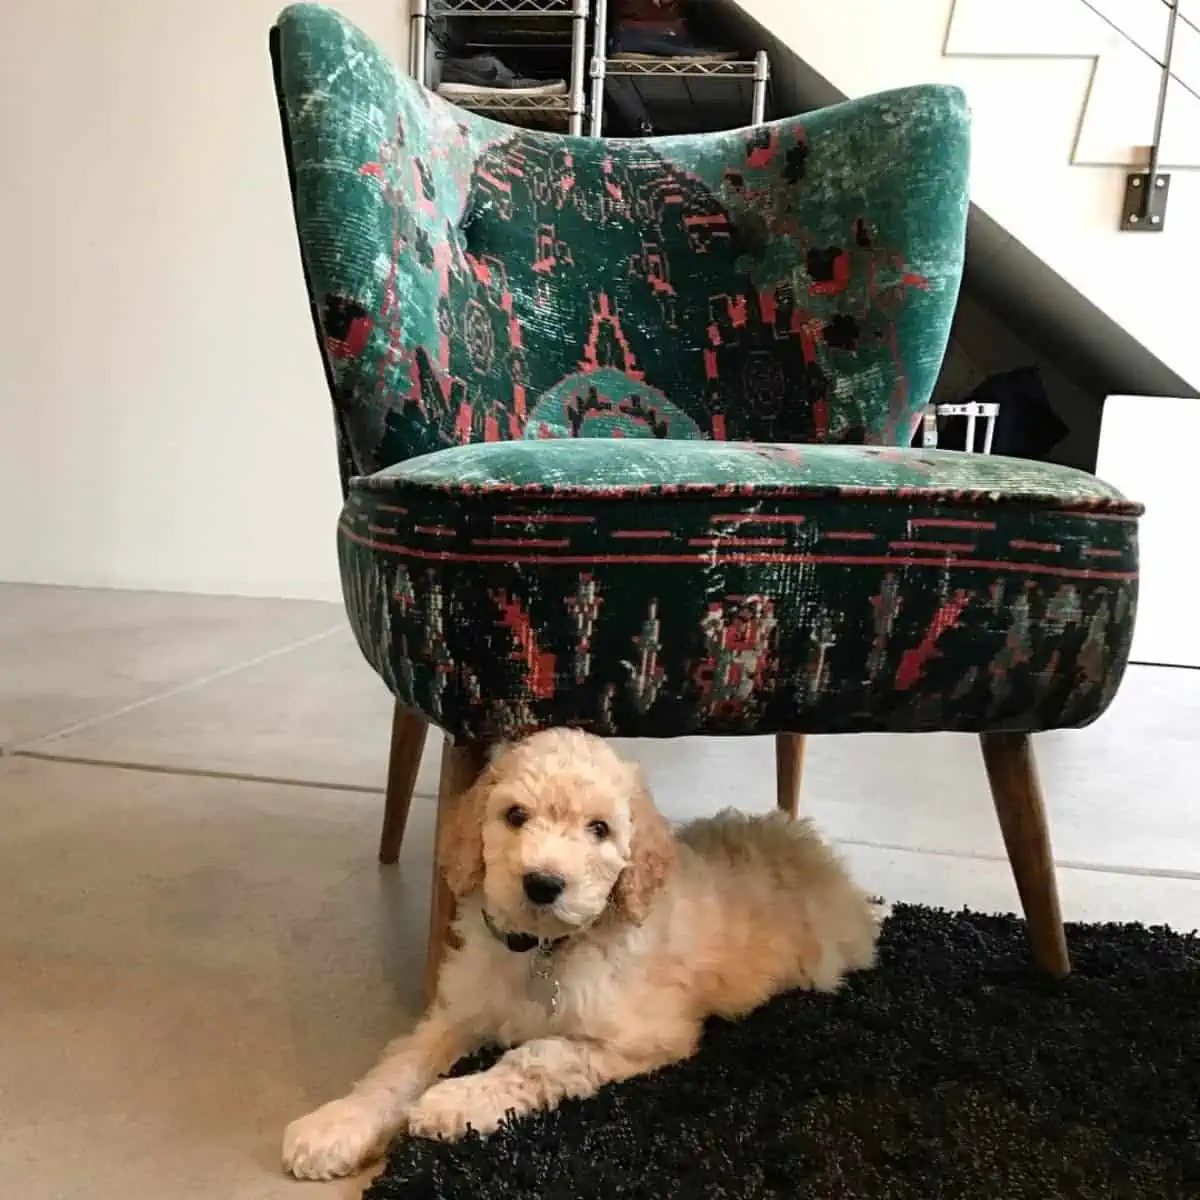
(951, 1070)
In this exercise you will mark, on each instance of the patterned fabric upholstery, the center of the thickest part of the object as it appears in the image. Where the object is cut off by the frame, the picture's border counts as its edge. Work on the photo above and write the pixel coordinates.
(619, 424)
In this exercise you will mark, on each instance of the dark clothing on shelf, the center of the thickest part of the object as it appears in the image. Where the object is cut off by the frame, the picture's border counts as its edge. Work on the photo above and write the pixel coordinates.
(1026, 425)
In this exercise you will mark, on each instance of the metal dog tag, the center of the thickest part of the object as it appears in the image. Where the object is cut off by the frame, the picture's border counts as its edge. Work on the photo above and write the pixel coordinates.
(543, 986)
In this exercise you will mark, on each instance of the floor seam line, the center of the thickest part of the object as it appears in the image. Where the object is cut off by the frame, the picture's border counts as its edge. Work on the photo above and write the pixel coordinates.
(369, 790)
(1064, 864)
(84, 760)
(170, 693)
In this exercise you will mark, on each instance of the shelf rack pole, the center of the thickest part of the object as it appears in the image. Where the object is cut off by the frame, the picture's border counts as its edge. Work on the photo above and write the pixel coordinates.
(418, 32)
(579, 17)
(599, 66)
(762, 73)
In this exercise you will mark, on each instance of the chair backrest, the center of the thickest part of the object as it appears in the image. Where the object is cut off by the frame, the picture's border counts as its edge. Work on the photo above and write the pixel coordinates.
(471, 281)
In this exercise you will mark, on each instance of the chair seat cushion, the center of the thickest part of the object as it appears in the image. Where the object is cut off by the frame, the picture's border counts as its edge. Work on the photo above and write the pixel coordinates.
(656, 588)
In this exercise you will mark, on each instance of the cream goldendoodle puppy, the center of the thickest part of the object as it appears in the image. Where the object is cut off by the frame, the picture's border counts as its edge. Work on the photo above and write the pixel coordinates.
(595, 943)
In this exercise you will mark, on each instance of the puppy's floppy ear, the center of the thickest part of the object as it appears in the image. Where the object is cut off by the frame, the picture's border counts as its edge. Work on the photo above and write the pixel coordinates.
(460, 832)
(652, 854)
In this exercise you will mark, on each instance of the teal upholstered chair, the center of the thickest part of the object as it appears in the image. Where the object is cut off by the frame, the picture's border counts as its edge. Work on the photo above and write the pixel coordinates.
(621, 427)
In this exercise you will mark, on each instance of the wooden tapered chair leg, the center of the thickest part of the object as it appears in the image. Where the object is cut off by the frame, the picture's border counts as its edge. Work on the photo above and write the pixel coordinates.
(408, 744)
(789, 769)
(461, 766)
(1017, 795)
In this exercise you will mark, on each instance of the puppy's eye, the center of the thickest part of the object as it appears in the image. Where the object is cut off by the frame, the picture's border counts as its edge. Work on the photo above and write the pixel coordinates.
(599, 830)
(515, 817)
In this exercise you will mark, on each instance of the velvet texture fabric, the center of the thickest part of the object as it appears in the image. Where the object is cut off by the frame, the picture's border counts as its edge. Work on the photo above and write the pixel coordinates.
(619, 424)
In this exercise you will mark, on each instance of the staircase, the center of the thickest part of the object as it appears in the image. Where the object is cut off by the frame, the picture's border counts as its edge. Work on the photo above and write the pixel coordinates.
(1064, 96)
(1121, 42)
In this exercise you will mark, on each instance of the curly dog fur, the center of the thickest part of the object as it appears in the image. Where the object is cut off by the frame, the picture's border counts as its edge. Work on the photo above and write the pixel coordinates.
(652, 933)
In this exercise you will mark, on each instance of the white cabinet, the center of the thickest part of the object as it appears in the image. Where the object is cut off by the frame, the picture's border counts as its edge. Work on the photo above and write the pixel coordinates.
(1150, 449)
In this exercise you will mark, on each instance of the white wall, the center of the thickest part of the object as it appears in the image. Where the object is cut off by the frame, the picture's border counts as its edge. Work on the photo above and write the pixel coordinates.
(164, 422)
(1029, 120)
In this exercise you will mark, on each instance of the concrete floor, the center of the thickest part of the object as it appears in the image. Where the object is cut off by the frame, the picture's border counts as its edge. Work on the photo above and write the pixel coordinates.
(196, 944)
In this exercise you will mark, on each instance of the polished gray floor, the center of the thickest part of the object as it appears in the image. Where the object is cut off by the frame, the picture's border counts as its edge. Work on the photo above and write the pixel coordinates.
(196, 943)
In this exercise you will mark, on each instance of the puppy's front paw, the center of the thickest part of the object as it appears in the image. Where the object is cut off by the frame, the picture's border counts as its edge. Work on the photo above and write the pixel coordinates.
(449, 1108)
(334, 1141)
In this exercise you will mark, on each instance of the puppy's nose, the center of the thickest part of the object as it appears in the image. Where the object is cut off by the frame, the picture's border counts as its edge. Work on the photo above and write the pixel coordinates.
(543, 888)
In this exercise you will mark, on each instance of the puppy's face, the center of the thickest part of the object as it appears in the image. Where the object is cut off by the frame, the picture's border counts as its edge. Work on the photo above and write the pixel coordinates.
(557, 831)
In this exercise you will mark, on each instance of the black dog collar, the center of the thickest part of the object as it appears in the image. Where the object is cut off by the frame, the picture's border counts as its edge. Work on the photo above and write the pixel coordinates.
(521, 943)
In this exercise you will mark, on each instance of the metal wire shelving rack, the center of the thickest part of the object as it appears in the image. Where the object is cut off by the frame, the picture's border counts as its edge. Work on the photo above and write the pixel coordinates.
(671, 86)
(676, 92)
(567, 109)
